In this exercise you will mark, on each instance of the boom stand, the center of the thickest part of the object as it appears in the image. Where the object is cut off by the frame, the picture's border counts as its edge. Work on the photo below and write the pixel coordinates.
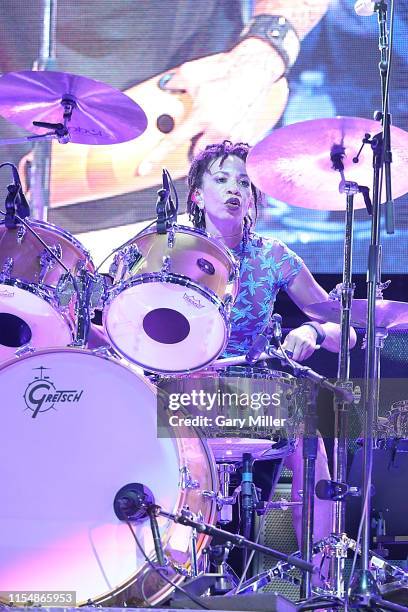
(364, 590)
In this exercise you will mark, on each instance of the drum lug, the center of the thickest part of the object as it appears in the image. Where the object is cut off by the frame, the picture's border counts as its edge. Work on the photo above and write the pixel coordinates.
(113, 268)
(234, 274)
(228, 303)
(166, 265)
(64, 290)
(21, 232)
(7, 268)
(26, 349)
(128, 256)
(98, 292)
(186, 480)
(171, 237)
(102, 351)
(47, 262)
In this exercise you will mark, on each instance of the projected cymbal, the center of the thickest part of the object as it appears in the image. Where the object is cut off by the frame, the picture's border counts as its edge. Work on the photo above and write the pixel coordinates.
(294, 165)
(101, 115)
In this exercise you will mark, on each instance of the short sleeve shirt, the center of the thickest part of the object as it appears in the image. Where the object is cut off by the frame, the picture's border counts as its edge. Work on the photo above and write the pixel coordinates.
(266, 266)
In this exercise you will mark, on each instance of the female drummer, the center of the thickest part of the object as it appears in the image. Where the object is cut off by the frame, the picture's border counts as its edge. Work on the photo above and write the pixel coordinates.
(223, 201)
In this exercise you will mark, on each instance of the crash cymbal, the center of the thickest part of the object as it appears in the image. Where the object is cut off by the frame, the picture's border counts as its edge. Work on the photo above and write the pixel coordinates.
(293, 163)
(388, 314)
(101, 115)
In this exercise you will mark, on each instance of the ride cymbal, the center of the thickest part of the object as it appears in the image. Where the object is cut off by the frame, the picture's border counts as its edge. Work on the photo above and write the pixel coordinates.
(293, 164)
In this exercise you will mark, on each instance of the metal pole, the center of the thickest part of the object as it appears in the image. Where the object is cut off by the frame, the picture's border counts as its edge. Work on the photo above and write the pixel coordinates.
(41, 161)
(364, 586)
(341, 409)
(309, 465)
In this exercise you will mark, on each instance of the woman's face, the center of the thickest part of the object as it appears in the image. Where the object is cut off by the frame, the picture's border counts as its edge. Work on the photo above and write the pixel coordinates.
(226, 191)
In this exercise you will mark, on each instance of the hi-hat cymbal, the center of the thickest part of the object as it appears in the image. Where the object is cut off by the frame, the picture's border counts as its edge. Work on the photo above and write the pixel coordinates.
(293, 163)
(388, 314)
(102, 115)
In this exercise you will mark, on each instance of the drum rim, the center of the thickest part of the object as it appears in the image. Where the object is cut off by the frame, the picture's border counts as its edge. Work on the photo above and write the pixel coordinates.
(256, 373)
(167, 277)
(195, 230)
(246, 371)
(60, 349)
(36, 223)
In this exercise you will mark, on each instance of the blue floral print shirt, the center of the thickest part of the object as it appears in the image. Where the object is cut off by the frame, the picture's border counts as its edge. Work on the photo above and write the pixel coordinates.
(266, 266)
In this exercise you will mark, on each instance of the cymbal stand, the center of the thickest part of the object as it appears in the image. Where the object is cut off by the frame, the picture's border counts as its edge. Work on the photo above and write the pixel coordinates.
(39, 172)
(341, 409)
(363, 590)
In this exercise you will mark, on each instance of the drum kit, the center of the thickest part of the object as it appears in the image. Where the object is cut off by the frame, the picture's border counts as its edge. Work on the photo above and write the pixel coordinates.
(79, 424)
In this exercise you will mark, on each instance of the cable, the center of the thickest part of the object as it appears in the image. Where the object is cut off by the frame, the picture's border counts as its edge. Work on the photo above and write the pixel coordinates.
(196, 600)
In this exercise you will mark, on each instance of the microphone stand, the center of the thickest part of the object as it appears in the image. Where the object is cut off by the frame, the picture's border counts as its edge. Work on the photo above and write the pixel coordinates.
(363, 590)
(185, 517)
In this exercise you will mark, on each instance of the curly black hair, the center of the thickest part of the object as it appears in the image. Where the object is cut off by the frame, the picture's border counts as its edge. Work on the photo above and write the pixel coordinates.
(199, 166)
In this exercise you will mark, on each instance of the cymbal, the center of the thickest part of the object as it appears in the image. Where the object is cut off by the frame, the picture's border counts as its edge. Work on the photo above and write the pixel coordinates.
(293, 163)
(388, 314)
(102, 115)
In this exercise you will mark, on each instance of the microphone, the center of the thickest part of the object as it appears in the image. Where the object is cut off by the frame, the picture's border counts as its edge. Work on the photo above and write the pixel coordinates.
(277, 326)
(272, 328)
(165, 182)
(172, 215)
(23, 209)
(161, 205)
(10, 220)
(134, 502)
(365, 8)
(247, 494)
(16, 202)
(335, 491)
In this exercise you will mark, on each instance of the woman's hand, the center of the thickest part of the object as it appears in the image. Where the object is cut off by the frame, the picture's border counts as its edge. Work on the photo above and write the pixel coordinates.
(301, 342)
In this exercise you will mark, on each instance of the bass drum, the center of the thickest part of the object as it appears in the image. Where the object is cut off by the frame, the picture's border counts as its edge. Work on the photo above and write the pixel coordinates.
(76, 427)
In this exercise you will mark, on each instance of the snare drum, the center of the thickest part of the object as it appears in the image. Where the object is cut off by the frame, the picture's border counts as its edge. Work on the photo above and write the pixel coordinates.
(29, 311)
(76, 428)
(237, 392)
(169, 308)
